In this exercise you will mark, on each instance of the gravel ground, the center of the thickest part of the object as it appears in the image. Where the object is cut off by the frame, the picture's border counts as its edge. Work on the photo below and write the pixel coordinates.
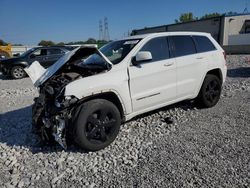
(200, 148)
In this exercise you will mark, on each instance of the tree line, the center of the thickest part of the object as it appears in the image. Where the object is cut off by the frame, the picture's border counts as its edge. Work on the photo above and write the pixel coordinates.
(3, 43)
(89, 41)
(189, 16)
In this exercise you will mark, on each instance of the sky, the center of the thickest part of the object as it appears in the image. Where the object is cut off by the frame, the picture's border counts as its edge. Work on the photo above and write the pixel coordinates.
(30, 21)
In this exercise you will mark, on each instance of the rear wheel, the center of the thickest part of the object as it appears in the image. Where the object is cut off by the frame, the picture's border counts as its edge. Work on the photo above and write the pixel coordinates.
(18, 72)
(97, 125)
(209, 94)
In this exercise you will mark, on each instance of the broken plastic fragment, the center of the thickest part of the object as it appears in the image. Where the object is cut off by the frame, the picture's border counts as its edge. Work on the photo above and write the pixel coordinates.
(35, 71)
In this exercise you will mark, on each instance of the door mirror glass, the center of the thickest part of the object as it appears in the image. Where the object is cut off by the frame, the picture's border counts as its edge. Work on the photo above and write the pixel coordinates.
(143, 56)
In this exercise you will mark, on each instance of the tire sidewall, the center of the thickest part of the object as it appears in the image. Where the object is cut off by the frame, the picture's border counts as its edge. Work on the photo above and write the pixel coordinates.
(12, 72)
(202, 97)
(80, 124)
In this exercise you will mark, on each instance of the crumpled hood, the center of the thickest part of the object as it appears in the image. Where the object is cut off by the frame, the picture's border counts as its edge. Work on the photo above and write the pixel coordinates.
(39, 75)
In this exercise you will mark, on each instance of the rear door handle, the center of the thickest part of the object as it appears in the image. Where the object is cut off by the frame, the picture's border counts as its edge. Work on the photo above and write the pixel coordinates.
(168, 64)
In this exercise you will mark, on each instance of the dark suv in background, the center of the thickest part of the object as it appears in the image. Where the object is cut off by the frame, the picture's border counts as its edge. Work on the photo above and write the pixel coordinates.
(46, 56)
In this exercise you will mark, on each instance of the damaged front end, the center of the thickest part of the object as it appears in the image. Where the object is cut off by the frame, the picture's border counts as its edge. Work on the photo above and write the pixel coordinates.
(52, 110)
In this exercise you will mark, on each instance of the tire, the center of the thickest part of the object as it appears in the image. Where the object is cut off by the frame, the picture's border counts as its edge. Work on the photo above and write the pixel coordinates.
(17, 72)
(97, 125)
(210, 91)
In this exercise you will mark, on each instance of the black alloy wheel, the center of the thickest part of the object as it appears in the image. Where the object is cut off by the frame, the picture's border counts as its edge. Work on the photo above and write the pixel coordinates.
(97, 125)
(100, 126)
(210, 91)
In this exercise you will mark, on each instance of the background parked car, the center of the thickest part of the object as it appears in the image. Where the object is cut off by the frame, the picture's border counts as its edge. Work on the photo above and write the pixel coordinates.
(45, 55)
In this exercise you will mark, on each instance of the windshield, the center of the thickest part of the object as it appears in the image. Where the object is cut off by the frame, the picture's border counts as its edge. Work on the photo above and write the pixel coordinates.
(116, 51)
(28, 52)
(94, 59)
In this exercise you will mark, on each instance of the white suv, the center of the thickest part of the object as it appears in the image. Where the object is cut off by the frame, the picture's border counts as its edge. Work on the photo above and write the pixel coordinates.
(88, 93)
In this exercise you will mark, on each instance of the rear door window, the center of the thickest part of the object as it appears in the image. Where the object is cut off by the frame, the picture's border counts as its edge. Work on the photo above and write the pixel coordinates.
(158, 48)
(203, 44)
(54, 51)
(183, 45)
(40, 52)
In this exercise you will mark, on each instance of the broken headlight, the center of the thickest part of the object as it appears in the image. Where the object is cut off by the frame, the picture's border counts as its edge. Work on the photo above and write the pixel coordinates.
(62, 101)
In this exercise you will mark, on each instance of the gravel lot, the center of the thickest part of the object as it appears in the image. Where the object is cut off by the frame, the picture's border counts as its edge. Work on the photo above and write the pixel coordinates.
(200, 148)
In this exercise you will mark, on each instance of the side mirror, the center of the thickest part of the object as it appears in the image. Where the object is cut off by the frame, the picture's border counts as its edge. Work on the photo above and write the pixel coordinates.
(32, 56)
(142, 56)
(16, 55)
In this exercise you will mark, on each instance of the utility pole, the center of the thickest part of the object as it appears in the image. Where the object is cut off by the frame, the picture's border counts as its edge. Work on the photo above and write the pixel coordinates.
(129, 33)
(100, 30)
(246, 8)
(106, 30)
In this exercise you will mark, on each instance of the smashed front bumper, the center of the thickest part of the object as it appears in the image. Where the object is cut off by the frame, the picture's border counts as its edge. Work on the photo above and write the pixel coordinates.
(51, 124)
(58, 129)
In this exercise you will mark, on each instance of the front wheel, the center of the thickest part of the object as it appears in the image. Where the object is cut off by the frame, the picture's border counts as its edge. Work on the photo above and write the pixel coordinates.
(210, 91)
(18, 72)
(97, 125)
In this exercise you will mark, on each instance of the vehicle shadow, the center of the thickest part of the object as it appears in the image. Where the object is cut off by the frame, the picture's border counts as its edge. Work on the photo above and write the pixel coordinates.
(241, 72)
(15, 131)
(5, 77)
(184, 105)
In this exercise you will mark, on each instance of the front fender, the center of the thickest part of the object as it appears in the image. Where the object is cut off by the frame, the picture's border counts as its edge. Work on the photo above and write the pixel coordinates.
(18, 63)
(116, 82)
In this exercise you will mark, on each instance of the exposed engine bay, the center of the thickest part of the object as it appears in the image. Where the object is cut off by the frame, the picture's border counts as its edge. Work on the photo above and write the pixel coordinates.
(52, 110)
